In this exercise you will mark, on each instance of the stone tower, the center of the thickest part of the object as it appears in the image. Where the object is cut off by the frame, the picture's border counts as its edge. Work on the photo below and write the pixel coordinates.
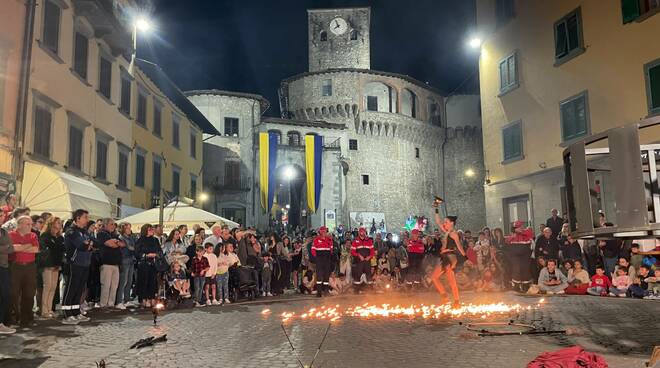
(338, 38)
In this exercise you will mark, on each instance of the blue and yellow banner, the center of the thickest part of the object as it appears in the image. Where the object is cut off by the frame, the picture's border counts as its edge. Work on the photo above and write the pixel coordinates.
(313, 156)
(267, 162)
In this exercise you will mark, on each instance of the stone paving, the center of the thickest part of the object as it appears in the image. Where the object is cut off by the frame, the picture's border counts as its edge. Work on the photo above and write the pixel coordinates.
(624, 331)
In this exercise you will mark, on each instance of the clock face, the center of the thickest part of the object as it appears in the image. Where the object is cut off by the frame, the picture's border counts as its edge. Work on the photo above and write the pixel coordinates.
(338, 26)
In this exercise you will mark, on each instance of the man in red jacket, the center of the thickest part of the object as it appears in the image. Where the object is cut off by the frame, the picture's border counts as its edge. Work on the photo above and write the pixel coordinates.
(415, 257)
(362, 250)
(322, 251)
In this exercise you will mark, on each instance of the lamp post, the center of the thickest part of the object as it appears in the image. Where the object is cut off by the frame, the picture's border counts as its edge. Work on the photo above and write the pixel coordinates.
(143, 25)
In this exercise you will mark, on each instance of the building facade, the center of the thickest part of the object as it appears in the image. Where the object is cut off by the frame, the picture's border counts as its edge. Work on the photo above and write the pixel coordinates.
(12, 38)
(552, 72)
(86, 109)
(387, 147)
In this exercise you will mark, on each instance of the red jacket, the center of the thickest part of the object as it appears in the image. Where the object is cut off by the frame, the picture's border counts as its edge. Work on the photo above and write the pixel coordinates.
(363, 247)
(602, 281)
(415, 246)
(321, 244)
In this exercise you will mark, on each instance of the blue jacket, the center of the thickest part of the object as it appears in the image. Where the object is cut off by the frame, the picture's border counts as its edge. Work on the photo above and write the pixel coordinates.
(76, 250)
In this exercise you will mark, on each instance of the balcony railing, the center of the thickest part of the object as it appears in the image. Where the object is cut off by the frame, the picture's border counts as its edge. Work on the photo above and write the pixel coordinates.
(231, 184)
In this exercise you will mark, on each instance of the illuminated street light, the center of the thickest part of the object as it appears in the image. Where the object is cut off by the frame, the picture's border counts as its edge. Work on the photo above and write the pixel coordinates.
(475, 42)
(469, 173)
(142, 24)
(203, 197)
(289, 173)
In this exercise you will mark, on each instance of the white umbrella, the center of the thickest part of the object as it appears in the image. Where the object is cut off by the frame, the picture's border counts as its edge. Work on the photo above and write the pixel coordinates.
(178, 213)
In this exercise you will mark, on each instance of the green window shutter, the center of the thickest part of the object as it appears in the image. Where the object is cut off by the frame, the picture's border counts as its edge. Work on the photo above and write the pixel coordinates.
(654, 87)
(504, 78)
(512, 69)
(629, 10)
(512, 141)
(561, 42)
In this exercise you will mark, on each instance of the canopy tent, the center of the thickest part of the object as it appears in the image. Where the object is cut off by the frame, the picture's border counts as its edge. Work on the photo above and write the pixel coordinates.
(178, 213)
(45, 189)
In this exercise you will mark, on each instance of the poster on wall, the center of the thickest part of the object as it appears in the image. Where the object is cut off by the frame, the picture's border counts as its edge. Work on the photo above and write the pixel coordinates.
(331, 220)
(372, 221)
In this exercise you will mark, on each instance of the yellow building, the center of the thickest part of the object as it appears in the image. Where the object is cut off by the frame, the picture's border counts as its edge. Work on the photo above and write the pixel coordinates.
(85, 141)
(11, 69)
(167, 139)
(552, 72)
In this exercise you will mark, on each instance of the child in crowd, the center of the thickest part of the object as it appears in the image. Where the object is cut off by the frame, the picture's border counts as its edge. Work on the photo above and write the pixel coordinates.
(222, 274)
(396, 276)
(488, 281)
(630, 270)
(266, 273)
(336, 286)
(620, 283)
(200, 265)
(566, 267)
(210, 282)
(551, 280)
(600, 284)
(177, 279)
(465, 278)
(471, 254)
(578, 280)
(307, 285)
(654, 285)
(382, 262)
(482, 247)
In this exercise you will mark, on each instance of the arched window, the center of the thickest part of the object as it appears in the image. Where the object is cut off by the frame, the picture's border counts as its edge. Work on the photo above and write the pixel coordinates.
(408, 103)
(279, 135)
(379, 97)
(354, 34)
(433, 111)
(324, 36)
(293, 138)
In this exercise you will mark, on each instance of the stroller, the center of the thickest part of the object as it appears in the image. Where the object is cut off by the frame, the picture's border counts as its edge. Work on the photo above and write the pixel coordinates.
(242, 283)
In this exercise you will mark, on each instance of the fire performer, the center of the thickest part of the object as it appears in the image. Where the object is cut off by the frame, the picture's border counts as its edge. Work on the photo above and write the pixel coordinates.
(362, 250)
(519, 250)
(451, 245)
(322, 251)
(415, 257)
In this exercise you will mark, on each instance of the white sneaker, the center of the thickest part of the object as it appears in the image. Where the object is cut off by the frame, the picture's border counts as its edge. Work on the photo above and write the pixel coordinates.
(226, 301)
(198, 305)
(82, 318)
(215, 302)
(71, 320)
(97, 305)
(612, 294)
(120, 306)
(560, 292)
(269, 294)
(263, 293)
(4, 330)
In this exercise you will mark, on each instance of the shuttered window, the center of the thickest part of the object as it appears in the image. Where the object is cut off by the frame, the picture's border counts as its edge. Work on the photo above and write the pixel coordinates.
(80, 54)
(574, 116)
(508, 73)
(105, 77)
(125, 102)
(122, 175)
(568, 36)
(75, 147)
(139, 169)
(157, 120)
(101, 160)
(142, 109)
(512, 141)
(42, 128)
(652, 71)
(176, 180)
(51, 27)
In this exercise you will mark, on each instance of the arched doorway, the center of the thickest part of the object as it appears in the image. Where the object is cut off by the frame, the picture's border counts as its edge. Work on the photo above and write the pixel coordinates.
(290, 194)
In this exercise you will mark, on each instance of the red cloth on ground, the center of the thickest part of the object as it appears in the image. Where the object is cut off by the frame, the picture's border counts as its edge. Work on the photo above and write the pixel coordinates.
(573, 357)
(577, 290)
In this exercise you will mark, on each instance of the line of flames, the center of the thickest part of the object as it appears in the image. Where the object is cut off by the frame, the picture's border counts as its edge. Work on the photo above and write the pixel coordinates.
(366, 311)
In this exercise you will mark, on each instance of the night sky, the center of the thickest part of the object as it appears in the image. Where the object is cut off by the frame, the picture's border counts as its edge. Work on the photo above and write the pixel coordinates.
(250, 45)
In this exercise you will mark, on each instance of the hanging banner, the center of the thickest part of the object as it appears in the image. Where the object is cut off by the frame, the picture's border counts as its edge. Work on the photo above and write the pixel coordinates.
(267, 162)
(313, 155)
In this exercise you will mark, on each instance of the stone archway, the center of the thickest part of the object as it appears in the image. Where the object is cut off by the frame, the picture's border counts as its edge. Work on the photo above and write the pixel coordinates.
(290, 192)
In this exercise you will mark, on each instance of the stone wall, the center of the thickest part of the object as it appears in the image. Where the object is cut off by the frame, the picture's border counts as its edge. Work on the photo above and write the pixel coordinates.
(338, 51)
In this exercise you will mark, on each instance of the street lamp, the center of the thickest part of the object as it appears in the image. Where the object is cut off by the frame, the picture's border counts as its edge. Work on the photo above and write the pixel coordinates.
(475, 42)
(469, 173)
(289, 173)
(203, 197)
(141, 24)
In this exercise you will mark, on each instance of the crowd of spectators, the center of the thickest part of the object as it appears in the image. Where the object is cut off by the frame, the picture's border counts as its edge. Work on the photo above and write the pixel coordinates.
(62, 269)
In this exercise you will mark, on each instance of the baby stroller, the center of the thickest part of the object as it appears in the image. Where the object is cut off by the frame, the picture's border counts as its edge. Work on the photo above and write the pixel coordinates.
(242, 283)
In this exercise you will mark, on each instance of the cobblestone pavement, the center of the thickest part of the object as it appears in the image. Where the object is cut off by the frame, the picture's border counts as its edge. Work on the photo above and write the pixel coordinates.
(622, 330)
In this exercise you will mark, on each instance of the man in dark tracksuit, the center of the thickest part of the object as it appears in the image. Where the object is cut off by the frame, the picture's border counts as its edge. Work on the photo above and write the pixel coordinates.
(362, 250)
(78, 246)
(322, 251)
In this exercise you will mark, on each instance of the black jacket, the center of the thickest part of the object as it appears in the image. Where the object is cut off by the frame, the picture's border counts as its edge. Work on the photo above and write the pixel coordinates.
(51, 250)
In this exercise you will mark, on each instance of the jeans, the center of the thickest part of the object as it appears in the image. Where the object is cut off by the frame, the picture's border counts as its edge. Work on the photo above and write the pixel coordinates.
(222, 285)
(125, 280)
(199, 289)
(109, 283)
(51, 276)
(618, 291)
(265, 280)
(636, 291)
(597, 290)
(5, 293)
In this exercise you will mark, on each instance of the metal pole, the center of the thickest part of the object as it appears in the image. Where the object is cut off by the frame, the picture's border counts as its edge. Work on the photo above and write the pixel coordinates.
(161, 208)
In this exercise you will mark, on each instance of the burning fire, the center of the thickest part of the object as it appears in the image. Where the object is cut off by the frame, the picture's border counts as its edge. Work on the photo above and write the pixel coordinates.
(413, 311)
